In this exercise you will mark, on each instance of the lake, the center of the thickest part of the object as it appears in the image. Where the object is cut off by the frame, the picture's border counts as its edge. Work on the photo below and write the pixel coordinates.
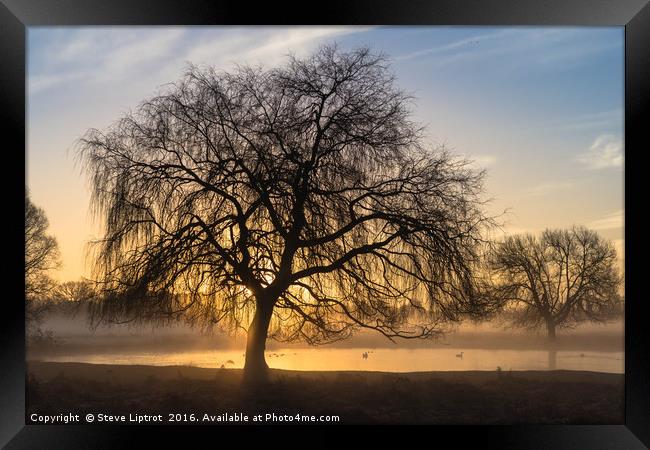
(379, 359)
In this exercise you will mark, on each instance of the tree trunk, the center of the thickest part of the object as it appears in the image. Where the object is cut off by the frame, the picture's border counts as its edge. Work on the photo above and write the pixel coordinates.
(255, 367)
(550, 327)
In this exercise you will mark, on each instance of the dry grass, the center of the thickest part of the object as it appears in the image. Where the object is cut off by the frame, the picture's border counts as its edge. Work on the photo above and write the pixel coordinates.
(357, 397)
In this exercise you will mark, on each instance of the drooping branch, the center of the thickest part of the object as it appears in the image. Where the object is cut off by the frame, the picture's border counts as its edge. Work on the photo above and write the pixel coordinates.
(305, 187)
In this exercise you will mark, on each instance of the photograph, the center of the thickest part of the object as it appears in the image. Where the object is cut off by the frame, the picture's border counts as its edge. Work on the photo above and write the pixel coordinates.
(332, 225)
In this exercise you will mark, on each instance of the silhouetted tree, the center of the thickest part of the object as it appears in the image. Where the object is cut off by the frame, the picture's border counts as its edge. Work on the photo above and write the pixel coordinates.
(74, 292)
(558, 279)
(73, 297)
(41, 257)
(299, 199)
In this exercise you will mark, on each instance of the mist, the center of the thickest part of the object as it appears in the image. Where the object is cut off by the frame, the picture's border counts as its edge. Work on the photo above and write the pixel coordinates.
(72, 333)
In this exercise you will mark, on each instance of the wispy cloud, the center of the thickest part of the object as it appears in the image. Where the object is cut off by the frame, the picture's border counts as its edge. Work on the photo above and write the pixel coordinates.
(464, 44)
(605, 152)
(602, 119)
(549, 188)
(38, 83)
(265, 46)
(98, 55)
(74, 48)
(125, 59)
(523, 47)
(610, 221)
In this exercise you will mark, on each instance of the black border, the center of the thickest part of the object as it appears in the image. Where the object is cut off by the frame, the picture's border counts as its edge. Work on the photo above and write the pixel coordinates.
(16, 15)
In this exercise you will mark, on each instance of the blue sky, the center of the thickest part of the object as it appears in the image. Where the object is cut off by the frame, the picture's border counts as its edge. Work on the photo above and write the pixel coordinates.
(541, 109)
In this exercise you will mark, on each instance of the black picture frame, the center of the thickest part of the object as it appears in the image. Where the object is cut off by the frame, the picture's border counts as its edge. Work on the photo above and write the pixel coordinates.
(17, 15)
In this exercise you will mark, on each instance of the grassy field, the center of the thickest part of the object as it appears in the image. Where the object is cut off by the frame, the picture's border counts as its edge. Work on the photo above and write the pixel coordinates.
(356, 397)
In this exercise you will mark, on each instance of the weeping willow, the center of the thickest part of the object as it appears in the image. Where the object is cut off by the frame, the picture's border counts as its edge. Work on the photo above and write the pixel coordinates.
(302, 195)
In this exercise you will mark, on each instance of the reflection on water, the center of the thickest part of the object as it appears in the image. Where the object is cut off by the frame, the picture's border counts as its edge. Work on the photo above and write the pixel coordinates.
(385, 360)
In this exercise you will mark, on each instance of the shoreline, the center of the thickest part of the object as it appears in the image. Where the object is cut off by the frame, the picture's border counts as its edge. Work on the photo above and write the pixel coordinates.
(38, 364)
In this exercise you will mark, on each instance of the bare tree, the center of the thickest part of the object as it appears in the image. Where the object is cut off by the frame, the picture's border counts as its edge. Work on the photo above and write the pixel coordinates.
(72, 298)
(74, 292)
(41, 257)
(558, 279)
(298, 199)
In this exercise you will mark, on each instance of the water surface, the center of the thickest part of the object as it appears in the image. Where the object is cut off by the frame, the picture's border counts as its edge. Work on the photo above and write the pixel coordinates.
(381, 359)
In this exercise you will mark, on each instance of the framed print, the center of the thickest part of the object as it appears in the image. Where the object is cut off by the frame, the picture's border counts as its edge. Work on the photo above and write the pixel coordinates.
(373, 214)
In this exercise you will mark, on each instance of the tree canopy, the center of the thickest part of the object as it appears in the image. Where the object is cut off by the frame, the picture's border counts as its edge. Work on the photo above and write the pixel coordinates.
(300, 199)
(41, 257)
(41, 252)
(557, 279)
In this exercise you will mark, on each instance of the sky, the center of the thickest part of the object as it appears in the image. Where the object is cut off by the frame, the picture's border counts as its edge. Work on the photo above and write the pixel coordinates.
(540, 109)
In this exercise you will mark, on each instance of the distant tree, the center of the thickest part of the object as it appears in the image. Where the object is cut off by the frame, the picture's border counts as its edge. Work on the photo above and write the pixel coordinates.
(300, 200)
(558, 279)
(73, 297)
(41, 257)
(74, 292)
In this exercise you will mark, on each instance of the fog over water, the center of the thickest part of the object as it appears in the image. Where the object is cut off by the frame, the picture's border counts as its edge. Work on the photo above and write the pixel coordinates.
(485, 346)
(382, 359)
